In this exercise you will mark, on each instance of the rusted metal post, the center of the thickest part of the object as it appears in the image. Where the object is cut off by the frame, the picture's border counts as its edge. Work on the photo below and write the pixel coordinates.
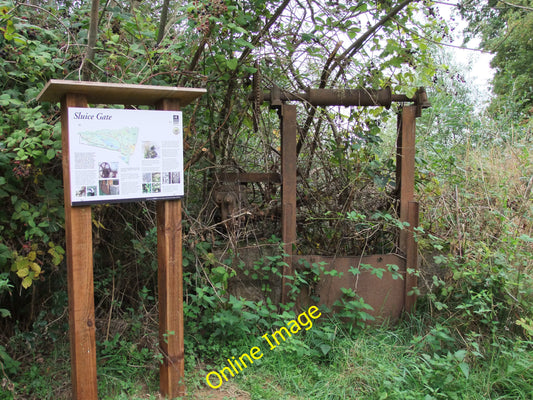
(170, 281)
(78, 231)
(411, 258)
(288, 191)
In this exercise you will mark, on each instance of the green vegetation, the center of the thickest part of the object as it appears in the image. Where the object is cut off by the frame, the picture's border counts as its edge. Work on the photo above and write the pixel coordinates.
(469, 339)
(471, 336)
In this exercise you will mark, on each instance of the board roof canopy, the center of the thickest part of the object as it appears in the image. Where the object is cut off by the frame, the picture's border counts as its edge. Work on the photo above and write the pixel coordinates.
(118, 93)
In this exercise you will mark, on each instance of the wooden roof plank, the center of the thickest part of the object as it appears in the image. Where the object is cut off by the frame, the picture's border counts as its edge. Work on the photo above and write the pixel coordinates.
(118, 93)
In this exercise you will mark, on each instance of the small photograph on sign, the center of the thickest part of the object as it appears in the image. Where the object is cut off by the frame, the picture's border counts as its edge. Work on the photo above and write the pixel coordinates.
(86, 191)
(175, 178)
(152, 182)
(151, 150)
(108, 169)
(109, 187)
(171, 178)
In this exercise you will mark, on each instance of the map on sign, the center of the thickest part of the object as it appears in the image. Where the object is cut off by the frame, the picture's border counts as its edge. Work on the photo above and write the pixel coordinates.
(124, 155)
(122, 140)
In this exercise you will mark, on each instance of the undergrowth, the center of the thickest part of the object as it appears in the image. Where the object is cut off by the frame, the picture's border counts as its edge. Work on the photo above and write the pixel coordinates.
(470, 338)
(478, 214)
(393, 364)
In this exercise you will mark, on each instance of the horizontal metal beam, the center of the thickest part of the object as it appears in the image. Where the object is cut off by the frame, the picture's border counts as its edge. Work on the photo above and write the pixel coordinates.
(344, 97)
(249, 177)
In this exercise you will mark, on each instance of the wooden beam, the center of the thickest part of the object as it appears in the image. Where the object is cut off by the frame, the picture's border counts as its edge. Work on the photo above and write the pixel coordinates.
(288, 193)
(405, 176)
(118, 93)
(170, 280)
(78, 230)
(406, 151)
(398, 153)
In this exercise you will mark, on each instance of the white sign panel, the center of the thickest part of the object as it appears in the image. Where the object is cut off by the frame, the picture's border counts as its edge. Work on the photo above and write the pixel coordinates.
(124, 155)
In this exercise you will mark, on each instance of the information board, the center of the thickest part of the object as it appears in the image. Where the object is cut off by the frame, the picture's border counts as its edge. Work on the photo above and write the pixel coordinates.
(121, 155)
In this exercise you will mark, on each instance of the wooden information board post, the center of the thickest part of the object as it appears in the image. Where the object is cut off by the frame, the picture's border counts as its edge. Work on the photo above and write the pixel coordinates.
(79, 247)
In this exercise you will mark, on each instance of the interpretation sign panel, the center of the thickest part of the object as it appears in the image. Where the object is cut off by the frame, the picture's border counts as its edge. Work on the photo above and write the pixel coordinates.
(124, 155)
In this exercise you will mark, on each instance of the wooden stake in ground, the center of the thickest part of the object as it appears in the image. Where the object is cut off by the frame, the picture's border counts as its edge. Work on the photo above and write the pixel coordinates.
(288, 187)
(78, 231)
(408, 207)
(170, 279)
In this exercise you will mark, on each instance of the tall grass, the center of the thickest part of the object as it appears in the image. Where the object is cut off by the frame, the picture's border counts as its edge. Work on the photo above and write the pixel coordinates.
(395, 363)
(477, 245)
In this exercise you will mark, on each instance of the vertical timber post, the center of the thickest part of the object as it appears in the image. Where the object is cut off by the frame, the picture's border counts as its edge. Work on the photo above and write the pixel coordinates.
(288, 193)
(170, 282)
(78, 231)
(408, 207)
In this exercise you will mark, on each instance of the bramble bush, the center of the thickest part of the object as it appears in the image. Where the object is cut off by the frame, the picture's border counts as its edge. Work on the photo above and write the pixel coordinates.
(32, 217)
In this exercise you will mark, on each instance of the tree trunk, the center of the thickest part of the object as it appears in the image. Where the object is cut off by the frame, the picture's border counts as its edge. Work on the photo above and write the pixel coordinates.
(91, 42)
(163, 21)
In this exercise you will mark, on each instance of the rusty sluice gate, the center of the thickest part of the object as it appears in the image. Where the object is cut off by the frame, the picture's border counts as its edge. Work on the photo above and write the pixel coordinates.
(344, 97)
(389, 297)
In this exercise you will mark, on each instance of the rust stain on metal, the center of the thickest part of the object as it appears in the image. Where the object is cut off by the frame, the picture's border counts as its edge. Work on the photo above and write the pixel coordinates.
(385, 295)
